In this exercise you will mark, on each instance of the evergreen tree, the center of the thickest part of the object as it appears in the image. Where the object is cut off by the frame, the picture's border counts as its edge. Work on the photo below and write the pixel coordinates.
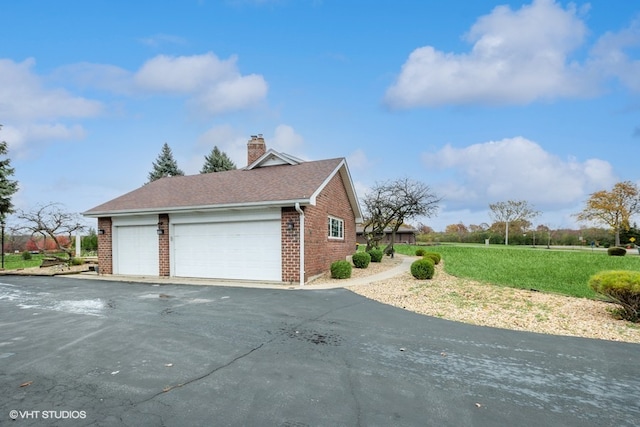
(217, 161)
(7, 186)
(165, 165)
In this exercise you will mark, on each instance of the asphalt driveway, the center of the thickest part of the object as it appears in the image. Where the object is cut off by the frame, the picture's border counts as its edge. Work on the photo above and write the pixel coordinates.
(104, 353)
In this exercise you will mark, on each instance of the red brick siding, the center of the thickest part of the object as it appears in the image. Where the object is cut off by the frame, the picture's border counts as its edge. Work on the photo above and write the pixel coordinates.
(255, 148)
(105, 249)
(290, 245)
(320, 251)
(163, 246)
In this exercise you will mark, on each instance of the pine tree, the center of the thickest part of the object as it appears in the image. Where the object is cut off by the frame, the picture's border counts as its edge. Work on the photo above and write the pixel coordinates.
(165, 165)
(217, 161)
(7, 186)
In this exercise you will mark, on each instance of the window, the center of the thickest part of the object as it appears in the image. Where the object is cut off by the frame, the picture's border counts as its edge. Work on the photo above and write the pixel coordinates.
(336, 228)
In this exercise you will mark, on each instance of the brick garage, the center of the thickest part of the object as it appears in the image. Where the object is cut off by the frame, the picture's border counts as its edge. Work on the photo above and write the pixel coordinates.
(278, 219)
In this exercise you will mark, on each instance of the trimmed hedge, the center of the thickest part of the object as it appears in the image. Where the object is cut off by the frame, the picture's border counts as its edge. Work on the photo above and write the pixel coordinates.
(361, 259)
(423, 269)
(435, 257)
(616, 251)
(341, 270)
(621, 287)
(420, 252)
(376, 255)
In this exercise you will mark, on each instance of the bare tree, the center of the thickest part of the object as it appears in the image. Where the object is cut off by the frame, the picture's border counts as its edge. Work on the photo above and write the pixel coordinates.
(51, 221)
(390, 204)
(512, 211)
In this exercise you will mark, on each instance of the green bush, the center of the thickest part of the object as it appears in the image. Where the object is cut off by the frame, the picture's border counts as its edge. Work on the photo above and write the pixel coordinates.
(435, 257)
(376, 255)
(361, 259)
(26, 255)
(341, 270)
(420, 252)
(423, 269)
(621, 287)
(616, 251)
(76, 261)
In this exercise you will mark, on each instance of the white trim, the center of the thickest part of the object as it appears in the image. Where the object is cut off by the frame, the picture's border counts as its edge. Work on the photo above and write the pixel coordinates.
(301, 212)
(332, 218)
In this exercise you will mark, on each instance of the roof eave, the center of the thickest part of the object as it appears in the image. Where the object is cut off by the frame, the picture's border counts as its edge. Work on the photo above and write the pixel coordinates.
(200, 208)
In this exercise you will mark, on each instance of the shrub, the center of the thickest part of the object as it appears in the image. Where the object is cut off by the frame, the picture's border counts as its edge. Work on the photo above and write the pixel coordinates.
(616, 251)
(76, 261)
(361, 259)
(376, 255)
(341, 270)
(435, 257)
(423, 269)
(26, 255)
(420, 252)
(621, 287)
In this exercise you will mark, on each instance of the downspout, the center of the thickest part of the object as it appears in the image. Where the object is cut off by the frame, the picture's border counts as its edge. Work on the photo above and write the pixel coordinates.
(301, 212)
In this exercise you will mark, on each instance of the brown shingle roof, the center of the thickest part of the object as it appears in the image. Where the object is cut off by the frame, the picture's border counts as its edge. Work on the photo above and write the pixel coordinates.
(265, 185)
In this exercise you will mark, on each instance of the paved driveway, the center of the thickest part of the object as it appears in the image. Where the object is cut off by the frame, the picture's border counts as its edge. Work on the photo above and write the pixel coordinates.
(91, 352)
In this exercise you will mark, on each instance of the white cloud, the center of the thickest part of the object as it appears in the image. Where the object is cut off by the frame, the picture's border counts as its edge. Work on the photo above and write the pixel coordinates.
(287, 140)
(517, 57)
(23, 96)
(215, 85)
(358, 160)
(610, 57)
(515, 169)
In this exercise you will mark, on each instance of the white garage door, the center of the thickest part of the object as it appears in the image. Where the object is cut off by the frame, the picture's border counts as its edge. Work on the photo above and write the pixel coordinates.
(136, 250)
(247, 250)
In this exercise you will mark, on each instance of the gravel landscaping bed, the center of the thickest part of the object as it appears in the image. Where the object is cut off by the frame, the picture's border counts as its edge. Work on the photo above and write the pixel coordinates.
(468, 301)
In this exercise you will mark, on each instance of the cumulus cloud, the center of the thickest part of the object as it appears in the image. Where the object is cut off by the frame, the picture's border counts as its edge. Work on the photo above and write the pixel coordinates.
(517, 57)
(23, 96)
(515, 169)
(359, 160)
(215, 86)
(35, 113)
(609, 56)
(287, 140)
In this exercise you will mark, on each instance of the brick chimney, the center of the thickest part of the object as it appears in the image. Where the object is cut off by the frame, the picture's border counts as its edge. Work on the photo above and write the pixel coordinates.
(255, 148)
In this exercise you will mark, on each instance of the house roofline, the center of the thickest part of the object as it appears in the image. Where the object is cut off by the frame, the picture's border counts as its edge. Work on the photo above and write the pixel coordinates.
(201, 208)
(343, 169)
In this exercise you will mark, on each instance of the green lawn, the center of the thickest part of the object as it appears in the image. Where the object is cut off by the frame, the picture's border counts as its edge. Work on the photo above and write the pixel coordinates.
(563, 272)
(15, 261)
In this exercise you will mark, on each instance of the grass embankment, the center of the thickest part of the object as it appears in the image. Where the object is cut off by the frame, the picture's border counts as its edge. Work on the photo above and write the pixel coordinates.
(561, 272)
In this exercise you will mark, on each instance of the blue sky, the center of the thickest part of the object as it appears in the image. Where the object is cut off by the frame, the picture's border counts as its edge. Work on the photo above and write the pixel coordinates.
(484, 101)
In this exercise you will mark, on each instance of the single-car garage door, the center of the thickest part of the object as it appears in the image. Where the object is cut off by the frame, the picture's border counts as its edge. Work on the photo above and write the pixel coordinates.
(230, 248)
(135, 250)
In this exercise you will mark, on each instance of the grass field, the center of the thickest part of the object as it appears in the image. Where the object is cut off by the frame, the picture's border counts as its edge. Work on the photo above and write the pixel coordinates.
(15, 261)
(547, 270)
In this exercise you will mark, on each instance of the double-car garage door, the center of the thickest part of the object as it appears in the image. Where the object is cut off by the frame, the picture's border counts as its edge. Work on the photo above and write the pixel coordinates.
(243, 245)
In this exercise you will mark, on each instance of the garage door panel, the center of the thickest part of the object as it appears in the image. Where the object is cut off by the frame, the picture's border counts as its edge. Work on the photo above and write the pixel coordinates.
(136, 250)
(232, 250)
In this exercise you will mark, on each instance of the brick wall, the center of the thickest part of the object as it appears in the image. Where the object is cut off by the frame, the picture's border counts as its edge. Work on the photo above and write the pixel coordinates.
(290, 245)
(105, 248)
(320, 251)
(163, 246)
(255, 148)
